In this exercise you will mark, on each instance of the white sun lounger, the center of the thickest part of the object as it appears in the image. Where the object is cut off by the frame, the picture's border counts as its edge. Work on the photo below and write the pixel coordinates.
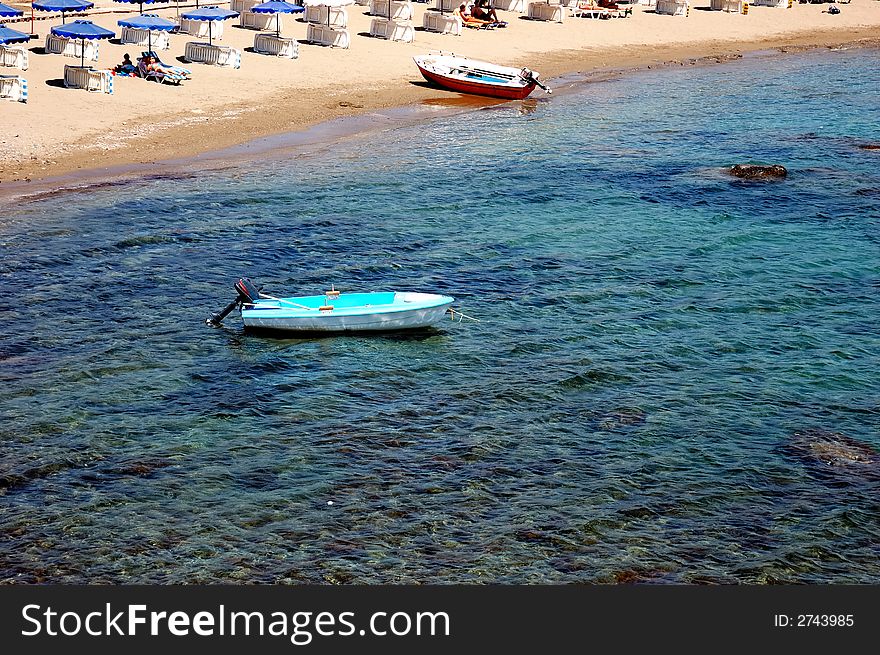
(673, 7)
(393, 30)
(773, 3)
(519, 6)
(159, 40)
(328, 35)
(400, 10)
(544, 11)
(59, 45)
(86, 77)
(14, 55)
(732, 6)
(199, 28)
(434, 21)
(242, 6)
(260, 21)
(588, 9)
(280, 46)
(318, 14)
(13, 87)
(212, 54)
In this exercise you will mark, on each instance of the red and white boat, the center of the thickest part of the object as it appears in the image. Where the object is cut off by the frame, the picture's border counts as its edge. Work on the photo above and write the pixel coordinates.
(480, 77)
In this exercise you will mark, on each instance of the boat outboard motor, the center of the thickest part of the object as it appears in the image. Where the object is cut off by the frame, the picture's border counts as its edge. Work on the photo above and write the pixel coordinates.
(247, 293)
(527, 75)
(247, 290)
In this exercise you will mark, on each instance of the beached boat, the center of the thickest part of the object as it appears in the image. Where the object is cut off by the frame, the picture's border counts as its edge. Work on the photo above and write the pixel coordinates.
(335, 311)
(480, 77)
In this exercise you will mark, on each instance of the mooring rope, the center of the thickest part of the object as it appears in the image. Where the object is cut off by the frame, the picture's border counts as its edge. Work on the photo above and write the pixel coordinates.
(461, 315)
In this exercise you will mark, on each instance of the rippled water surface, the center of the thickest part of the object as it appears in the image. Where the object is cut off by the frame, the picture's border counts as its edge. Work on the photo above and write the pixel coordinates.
(674, 376)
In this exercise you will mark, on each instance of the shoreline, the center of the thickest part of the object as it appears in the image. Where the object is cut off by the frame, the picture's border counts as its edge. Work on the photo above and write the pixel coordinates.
(248, 130)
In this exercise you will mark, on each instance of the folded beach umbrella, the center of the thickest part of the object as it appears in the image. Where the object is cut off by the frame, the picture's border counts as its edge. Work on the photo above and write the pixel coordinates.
(82, 29)
(137, 2)
(210, 14)
(148, 22)
(9, 12)
(277, 7)
(8, 35)
(62, 5)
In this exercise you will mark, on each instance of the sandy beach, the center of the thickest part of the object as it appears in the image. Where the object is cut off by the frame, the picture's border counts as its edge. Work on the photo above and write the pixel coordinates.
(60, 131)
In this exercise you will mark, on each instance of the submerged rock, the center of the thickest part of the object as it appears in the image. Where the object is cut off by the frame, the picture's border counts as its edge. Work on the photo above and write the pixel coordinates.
(758, 171)
(836, 450)
(622, 417)
(869, 146)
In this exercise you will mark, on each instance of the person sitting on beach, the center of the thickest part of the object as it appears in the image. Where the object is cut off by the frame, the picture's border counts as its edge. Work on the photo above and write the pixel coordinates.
(607, 4)
(482, 11)
(468, 19)
(126, 66)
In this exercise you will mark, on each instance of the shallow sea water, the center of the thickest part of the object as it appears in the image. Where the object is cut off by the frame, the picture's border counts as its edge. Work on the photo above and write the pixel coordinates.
(660, 349)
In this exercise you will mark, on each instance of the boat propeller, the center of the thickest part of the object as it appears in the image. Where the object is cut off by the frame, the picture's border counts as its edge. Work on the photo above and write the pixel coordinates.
(247, 293)
(529, 76)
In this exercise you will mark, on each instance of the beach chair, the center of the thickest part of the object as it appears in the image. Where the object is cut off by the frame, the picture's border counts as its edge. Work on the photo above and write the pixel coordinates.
(328, 35)
(86, 77)
(434, 21)
(267, 22)
(14, 55)
(448, 5)
(546, 11)
(400, 10)
(476, 24)
(170, 75)
(13, 87)
(279, 46)
(59, 45)
(673, 7)
(393, 30)
(158, 39)
(330, 16)
(212, 54)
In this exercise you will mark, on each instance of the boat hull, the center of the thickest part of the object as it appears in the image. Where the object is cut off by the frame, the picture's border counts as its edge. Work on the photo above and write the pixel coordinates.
(478, 88)
(423, 310)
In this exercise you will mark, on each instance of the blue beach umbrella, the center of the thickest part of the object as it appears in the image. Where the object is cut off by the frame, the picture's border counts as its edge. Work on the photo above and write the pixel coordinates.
(148, 22)
(210, 14)
(277, 7)
(137, 2)
(63, 6)
(8, 35)
(9, 12)
(82, 29)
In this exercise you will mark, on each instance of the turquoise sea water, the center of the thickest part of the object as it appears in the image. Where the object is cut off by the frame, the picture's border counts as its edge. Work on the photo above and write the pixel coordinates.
(674, 376)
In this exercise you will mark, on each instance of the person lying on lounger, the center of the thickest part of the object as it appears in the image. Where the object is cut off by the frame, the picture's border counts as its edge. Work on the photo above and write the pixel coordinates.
(482, 11)
(152, 64)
